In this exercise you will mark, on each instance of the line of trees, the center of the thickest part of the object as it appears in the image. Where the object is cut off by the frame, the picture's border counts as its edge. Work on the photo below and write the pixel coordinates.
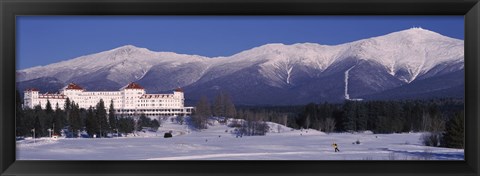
(73, 119)
(441, 118)
(222, 107)
(253, 119)
(380, 116)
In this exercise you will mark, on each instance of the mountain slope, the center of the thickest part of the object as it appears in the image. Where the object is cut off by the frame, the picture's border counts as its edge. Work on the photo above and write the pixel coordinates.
(274, 73)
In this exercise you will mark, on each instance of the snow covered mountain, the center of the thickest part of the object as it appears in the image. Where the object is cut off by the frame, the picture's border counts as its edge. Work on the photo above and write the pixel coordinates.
(277, 73)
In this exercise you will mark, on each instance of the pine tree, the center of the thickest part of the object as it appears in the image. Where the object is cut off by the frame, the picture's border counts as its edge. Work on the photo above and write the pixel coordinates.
(126, 125)
(75, 120)
(39, 123)
(362, 117)
(455, 131)
(155, 124)
(112, 118)
(143, 121)
(21, 120)
(67, 107)
(92, 126)
(58, 119)
(48, 120)
(29, 121)
(350, 117)
(101, 115)
(48, 107)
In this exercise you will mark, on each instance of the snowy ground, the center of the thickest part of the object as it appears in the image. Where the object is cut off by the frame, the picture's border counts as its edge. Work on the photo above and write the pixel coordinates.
(216, 144)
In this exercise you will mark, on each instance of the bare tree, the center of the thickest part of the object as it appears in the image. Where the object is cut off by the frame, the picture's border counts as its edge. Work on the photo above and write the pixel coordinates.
(307, 122)
(284, 119)
(202, 113)
(425, 121)
(219, 105)
(223, 106)
(329, 125)
(230, 110)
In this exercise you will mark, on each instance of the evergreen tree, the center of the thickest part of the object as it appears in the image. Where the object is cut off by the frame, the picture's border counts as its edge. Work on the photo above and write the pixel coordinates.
(362, 117)
(396, 116)
(29, 121)
(21, 119)
(38, 128)
(67, 107)
(48, 119)
(75, 120)
(112, 118)
(455, 132)
(92, 126)
(155, 124)
(58, 119)
(39, 123)
(126, 125)
(143, 121)
(101, 115)
(48, 108)
(349, 109)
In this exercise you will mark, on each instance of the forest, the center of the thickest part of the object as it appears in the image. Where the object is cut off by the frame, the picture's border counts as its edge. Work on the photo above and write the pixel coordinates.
(441, 119)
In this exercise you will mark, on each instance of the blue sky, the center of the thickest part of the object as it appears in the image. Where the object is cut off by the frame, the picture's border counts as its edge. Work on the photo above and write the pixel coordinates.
(42, 40)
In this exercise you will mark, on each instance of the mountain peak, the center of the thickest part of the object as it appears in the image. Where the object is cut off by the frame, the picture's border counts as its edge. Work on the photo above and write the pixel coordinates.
(419, 30)
(128, 49)
(418, 34)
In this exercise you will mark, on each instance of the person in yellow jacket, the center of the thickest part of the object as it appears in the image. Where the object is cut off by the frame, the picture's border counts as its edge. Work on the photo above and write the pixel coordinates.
(335, 146)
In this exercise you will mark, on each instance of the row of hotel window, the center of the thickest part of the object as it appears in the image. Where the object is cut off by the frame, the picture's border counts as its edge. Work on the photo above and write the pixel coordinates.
(116, 102)
(119, 98)
(142, 105)
(153, 110)
(110, 93)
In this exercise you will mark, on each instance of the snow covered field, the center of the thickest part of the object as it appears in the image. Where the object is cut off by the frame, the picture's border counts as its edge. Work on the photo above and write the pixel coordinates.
(217, 144)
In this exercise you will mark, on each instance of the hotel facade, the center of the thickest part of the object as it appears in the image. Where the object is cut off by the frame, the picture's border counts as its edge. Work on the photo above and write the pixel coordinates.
(130, 100)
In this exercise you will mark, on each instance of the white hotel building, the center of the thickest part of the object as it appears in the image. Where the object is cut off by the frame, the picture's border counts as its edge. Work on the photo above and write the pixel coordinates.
(129, 100)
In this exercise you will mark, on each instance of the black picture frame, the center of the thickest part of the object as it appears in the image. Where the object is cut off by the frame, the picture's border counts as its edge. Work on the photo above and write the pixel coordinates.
(11, 8)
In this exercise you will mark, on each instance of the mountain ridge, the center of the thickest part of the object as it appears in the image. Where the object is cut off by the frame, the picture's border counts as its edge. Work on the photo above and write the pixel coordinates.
(384, 62)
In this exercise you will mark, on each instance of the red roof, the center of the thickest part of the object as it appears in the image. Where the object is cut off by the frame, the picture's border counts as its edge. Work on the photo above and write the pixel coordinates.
(178, 90)
(73, 86)
(31, 89)
(133, 86)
